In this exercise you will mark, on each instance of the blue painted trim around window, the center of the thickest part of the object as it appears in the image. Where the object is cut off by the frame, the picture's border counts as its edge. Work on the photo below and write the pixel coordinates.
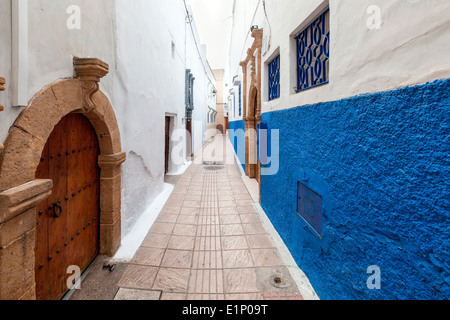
(313, 53)
(240, 100)
(274, 78)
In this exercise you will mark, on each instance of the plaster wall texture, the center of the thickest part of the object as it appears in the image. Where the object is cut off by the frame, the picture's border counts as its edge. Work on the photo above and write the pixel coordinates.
(410, 48)
(203, 86)
(148, 45)
(237, 138)
(52, 45)
(149, 86)
(373, 143)
(380, 164)
(8, 116)
(219, 77)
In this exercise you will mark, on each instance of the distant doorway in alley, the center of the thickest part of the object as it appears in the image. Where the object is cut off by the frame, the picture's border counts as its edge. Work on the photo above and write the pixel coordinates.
(167, 144)
(67, 231)
(253, 166)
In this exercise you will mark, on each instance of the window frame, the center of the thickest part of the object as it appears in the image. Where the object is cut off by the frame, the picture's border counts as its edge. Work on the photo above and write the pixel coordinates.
(322, 18)
(271, 75)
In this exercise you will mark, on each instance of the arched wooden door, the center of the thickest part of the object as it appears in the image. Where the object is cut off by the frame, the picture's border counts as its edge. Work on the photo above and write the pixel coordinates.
(67, 232)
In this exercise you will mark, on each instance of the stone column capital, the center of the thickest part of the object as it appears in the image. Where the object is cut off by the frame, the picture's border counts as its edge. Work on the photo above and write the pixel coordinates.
(17, 200)
(89, 71)
(112, 160)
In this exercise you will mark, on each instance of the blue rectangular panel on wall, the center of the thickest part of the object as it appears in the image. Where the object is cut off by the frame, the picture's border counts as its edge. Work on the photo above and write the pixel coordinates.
(309, 207)
(264, 145)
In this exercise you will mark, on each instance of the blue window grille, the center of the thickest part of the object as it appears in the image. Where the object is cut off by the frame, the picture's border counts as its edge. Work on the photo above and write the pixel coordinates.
(274, 78)
(240, 100)
(313, 53)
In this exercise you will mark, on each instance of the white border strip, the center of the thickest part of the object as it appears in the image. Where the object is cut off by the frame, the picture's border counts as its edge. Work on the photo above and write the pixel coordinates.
(132, 242)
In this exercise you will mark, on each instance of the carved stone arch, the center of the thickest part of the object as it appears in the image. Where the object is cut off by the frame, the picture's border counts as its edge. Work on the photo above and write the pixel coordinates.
(252, 103)
(20, 193)
(254, 110)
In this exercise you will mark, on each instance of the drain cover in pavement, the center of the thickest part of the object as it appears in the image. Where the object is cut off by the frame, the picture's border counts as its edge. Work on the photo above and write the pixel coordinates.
(214, 168)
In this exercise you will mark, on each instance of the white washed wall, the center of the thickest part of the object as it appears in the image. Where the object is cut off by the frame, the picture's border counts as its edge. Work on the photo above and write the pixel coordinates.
(410, 48)
(146, 81)
(8, 116)
(150, 84)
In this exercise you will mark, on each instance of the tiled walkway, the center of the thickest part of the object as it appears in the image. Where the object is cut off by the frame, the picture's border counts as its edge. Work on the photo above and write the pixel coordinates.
(208, 244)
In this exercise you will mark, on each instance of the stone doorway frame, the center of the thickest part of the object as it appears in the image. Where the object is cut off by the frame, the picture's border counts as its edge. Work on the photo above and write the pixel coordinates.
(252, 112)
(20, 192)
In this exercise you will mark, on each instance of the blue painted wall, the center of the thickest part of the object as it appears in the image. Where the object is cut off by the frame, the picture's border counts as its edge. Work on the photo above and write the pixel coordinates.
(237, 137)
(382, 163)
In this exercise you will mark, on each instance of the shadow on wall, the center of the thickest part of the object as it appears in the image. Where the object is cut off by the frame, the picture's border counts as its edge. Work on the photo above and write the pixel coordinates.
(237, 138)
(384, 159)
(139, 189)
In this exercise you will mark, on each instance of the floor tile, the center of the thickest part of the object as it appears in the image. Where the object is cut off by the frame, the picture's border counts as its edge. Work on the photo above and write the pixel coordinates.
(172, 210)
(250, 218)
(230, 219)
(191, 204)
(168, 218)
(137, 295)
(244, 296)
(155, 240)
(240, 281)
(184, 230)
(181, 243)
(260, 242)
(172, 280)
(138, 277)
(185, 219)
(254, 229)
(237, 259)
(232, 230)
(148, 257)
(234, 243)
(177, 259)
(227, 204)
(266, 257)
(228, 211)
(173, 296)
(162, 228)
(189, 211)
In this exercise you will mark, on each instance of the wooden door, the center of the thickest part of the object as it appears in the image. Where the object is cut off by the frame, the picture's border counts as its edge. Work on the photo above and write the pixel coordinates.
(67, 231)
(189, 154)
(258, 164)
(167, 146)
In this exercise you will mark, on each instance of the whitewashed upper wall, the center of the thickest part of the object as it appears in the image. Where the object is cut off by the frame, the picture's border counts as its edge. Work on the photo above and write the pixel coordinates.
(150, 85)
(204, 79)
(52, 45)
(146, 81)
(410, 48)
(8, 116)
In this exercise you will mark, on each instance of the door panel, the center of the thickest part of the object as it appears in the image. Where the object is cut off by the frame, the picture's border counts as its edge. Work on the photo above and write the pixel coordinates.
(167, 145)
(72, 239)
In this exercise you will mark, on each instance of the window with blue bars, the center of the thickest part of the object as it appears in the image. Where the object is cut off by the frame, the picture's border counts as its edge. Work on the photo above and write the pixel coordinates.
(234, 106)
(240, 100)
(274, 78)
(313, 53)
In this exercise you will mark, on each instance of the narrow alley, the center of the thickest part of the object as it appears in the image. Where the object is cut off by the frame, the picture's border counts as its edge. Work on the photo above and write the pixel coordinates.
(210, 242)
(220, 150)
